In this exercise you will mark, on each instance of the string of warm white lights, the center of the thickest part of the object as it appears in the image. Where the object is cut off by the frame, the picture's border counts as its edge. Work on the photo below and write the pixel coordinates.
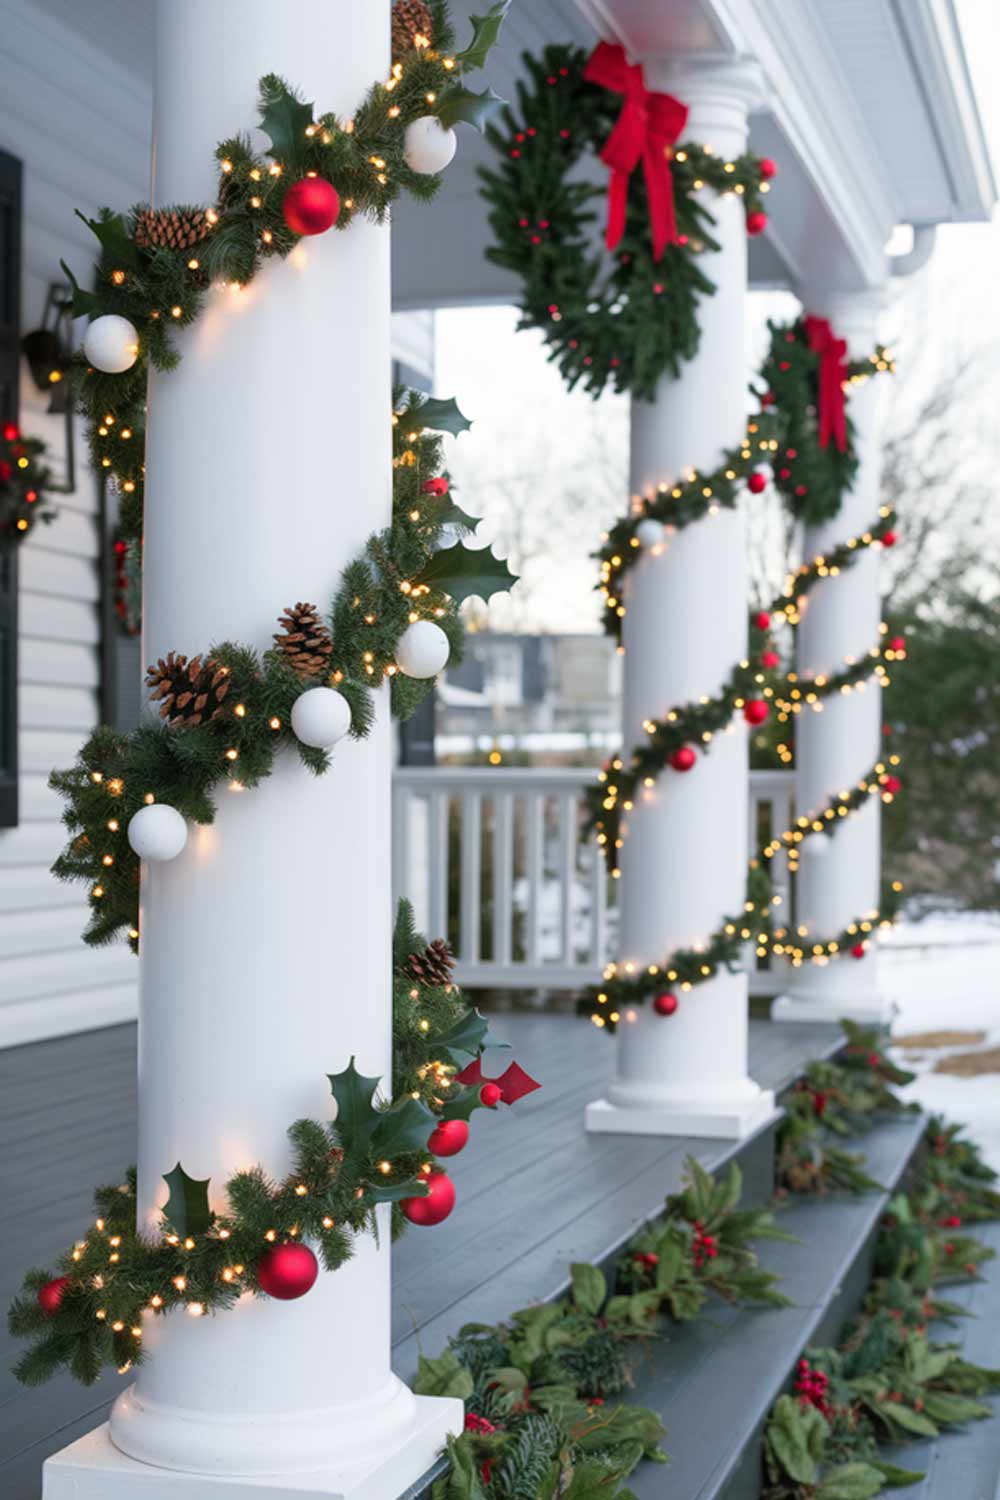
(674, 742)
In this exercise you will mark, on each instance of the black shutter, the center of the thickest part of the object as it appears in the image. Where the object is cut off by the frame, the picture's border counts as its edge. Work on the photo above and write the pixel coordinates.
(10, 335)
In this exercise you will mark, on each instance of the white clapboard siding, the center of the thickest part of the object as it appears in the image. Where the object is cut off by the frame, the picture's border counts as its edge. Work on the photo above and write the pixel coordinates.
(80, 123)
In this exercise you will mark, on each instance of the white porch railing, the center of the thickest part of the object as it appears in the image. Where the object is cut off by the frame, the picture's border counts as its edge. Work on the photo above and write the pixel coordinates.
(495, 861)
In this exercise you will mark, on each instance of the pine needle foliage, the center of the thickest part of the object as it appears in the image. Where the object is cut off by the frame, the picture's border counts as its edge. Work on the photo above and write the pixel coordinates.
(208, 1258)
(24, 479)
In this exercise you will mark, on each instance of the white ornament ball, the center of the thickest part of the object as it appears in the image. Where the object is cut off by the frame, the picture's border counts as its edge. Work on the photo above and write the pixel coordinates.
(428, 145)
(422, 650)
(111, 344)
(157, 832)
(320, 717)
(816, 845)
(649, 532)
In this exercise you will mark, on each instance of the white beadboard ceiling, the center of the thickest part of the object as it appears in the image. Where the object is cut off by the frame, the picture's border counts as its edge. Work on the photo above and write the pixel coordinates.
(870, 115)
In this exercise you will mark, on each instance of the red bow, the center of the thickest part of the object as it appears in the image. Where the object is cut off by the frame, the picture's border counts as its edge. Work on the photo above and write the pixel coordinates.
(832, 374)
(513, 1082)
(648, 125)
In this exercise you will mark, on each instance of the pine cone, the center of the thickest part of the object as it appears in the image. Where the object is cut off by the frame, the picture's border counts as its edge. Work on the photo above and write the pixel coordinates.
(170, 228)
(410, 19)
(189, 693)
(434, 966)
(304, 640)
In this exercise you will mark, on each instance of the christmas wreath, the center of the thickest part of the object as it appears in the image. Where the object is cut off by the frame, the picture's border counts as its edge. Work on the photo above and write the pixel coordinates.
(374, 1151)
(626, 317)
(23, 480)
(805, 376)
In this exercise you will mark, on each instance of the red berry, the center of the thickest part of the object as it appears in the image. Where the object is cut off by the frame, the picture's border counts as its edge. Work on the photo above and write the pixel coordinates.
(755, 711)
(757, 483)
(767, 167)
(756, 222)
(490, 1094)
(762, 620)
(769, 659)
(448, 1138)
(684, 758)
(784, 473)
(10, 432)
(51, 1294)
(898, 643)
(891, 784)
(889, 539)
(434, 486)
(859, 950)
(665, 1004)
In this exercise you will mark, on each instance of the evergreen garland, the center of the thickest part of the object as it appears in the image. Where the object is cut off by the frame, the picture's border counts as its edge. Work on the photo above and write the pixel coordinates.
(375, 1151)
(403, 575)
(622, 320)
(24, 479)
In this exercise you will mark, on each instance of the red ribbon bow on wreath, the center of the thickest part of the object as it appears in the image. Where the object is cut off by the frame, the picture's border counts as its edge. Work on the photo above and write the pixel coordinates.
(647, 127)
(832, 374)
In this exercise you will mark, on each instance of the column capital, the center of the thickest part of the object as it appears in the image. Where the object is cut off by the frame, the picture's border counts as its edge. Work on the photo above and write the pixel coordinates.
(720, 91)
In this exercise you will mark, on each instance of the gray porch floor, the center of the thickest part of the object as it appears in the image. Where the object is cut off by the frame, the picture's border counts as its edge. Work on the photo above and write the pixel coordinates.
(534, 1193)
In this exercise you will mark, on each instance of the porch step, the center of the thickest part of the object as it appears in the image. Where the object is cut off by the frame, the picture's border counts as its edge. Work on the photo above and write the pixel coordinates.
(714, 1381)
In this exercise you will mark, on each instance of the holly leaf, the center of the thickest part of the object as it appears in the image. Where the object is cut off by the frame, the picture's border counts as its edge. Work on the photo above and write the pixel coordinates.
(467, 1035)
(116, 244)
(895, 1477)
(514, 1083)
(404, 1127)
(283, 119)
(357, 1117)
(855, 1481)
(84, 303)
(460, 1106)
(454, 515)
(443, 1376)
(589, 1287)
(392, 1192)
(441, 414)
(465, 573)
(462, 106)
(186, 1209)
(796, 1437)
(485, 30)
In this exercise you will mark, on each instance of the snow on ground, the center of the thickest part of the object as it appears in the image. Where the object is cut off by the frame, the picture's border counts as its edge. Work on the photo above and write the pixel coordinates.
(945, 974)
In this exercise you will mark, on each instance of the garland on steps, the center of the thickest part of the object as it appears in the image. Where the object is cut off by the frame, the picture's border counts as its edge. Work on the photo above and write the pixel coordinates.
(226, 714)
(791, 408)
(543, 1391)
(626, 316)
(376, 1150)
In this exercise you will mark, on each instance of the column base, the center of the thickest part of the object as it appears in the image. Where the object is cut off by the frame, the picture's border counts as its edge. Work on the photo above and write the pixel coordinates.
(717, 1120)
(868, 1010)
(92, 1468)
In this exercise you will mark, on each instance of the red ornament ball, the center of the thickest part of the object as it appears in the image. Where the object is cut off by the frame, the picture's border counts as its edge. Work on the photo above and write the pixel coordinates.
(757, 483)
(769, 659)
(436, 1206)
(684, 758)
(665, 1004)
(448, 1138)
(311, 206)
(768, 167)
(891, 784)
(434, 486)
(287, 1271)
(5, 471)
(755, 711)
(756, 222)
(859, 950)
(898, 643)
(51, 1294)
(762, 620)
(490, 1094)
(10, 432)
(889, 539)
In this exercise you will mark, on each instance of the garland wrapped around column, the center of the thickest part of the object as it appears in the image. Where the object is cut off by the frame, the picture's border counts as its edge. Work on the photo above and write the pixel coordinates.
(802, 440)
(374, 1150)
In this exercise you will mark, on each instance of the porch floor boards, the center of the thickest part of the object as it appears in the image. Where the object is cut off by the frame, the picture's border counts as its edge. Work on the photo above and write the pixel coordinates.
(534, 1193)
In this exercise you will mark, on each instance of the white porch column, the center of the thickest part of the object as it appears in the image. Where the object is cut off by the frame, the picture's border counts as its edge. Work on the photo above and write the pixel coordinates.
(266, 947)
(684, 861)
(839, 875)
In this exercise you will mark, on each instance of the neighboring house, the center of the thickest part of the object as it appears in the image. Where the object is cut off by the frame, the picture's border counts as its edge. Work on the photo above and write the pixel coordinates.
(75, 122)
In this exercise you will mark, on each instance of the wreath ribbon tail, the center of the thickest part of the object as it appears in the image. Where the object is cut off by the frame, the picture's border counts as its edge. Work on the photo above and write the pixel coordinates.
(617, 207)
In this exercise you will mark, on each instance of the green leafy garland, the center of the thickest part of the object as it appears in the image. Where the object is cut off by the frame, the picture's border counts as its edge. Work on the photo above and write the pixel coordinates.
(23, 481)
(810, 478)
(375, 1151)
(402, 576)
(621, 320)
(543, 1391)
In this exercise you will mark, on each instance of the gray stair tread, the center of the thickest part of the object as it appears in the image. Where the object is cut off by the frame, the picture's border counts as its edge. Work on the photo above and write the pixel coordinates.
(714, 1380)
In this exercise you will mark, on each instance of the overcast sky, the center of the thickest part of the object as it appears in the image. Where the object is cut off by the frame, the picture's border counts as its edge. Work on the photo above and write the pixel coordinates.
(533, 441)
